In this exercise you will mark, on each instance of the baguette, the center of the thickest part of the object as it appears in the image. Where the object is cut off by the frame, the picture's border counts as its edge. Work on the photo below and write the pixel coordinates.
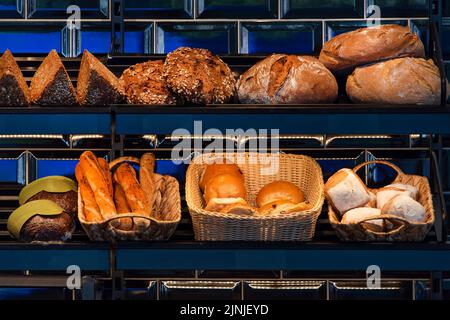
(147, 178)
(96, 180)
(106, 173)
(125, 176)
(122, 207)
(91, 210)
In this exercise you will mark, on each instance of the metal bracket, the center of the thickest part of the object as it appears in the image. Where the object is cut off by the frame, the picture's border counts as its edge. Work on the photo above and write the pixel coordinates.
(436, 285)
(118, 285)
(88, 287)
(117, 27)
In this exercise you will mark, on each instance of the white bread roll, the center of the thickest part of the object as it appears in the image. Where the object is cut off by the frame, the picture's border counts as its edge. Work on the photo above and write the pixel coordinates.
(384, 195)
(345, 190)
(405, 207)
(359, 214)
(373, 200)
(413, 191)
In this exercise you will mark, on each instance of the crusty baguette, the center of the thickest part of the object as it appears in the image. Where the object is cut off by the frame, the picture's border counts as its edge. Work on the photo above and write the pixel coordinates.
(94, 175)
(122, 207)
(147, 179)
(91, 210)
(106, 173)
(125, 176)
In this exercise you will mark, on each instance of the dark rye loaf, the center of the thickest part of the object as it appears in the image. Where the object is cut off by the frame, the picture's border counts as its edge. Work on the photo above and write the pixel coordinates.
(144, 84)
(51, 84)
(97, 85)
(199, 77)
(13, 87)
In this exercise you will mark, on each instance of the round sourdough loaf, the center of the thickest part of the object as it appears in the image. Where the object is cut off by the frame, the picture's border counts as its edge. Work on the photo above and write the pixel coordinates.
(368, 45)
(197, 76)
(398, 81)
(285, 79)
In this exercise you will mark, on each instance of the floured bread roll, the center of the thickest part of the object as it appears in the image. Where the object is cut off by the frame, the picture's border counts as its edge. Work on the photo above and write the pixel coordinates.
(359, 214)
(405, 207)
(346, 191)
(384, 195)
(407, 187)
(373, 200)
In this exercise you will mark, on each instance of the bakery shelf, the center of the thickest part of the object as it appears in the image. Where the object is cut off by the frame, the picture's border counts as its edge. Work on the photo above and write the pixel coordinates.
(292, 119)
(55, 120)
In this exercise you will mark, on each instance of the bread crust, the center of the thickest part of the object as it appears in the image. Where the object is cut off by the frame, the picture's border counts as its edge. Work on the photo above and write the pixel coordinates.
(147, 179)
(398, 81)
(368, 45)
(285, 79)
(14, 90)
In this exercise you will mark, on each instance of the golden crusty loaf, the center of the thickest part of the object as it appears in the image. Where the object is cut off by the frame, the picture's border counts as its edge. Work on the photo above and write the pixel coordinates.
(284, 79)
(96, 84)
(13, 87)
(51, 85)
(144, 84)
(368, 45)
(398, 81)
(197, 76)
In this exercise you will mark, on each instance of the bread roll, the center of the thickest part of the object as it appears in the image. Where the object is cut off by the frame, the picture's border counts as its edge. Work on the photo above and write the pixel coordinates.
(283, 207)
(413, 191)
(405, 207)
(239, 208)
(398, 81)
(367, 45)
(225, 186)
(279, 191)
(216, 169)
(373, 200)
(345, 191)
(384, 195)
(217, 204)
(359, 214)
(284, 79)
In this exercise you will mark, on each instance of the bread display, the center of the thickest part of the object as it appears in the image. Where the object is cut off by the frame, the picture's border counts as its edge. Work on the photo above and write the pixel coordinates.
(345, 191)
(284, 79)
(144, 84)
(398, 81)
(47, 210)
(368, 45)
(197, 76)
(14, 90)
(96, 84)
(406, 207)
(51, 84)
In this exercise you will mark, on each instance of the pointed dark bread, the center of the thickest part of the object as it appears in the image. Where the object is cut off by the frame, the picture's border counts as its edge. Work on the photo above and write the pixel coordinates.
(96, 84)
(13, 87)
(51, 84)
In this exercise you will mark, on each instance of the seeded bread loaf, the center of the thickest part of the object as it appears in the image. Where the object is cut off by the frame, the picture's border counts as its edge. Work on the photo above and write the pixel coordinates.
(368, 45)
(51, 84)
(13, 87)
(96, 84)
(144, 84)
(197, 76)
(284, 79)
(398, 81)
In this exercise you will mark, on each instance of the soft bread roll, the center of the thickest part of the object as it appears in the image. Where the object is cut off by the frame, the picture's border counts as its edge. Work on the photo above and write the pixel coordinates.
(98, 184)
(283, 207)
(373, 200)
(345, 191)
(217, 204)
(399, 81)
(225, 186)
(147, 179)
(239, 208)
(125, 176)
(384, 195)
(413, 191)
(405, 207)
(216, 169)
(359, 214)
(91, 211)
(279, 191)
(283, 79)
(367, 45)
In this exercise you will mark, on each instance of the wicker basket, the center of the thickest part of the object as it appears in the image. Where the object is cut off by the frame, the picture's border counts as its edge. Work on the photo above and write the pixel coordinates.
(303, 171)
(167, 204)
(404, 230)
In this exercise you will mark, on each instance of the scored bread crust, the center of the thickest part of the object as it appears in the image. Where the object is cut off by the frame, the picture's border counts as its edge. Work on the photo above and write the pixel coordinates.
(197, 76)
(144, 84)
(14, 90)
(96, 84)
(367, 45)
(398, 81)
(51, 85)
(284, 79)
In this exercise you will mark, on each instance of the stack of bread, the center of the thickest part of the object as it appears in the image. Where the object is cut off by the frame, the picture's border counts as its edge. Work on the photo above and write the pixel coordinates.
(354, 202)
(390, 66)
(224, 191)
(106, 195)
